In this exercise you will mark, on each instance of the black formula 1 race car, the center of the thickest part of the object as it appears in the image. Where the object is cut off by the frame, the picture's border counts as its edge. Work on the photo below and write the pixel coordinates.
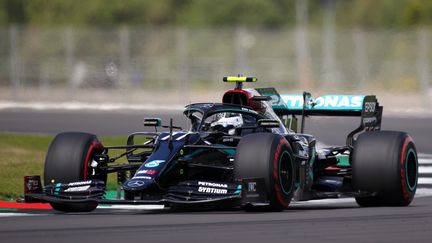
(244, 152)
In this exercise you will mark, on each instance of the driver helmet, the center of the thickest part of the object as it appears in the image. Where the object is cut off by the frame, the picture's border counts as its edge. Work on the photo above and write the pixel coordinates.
(227, 123)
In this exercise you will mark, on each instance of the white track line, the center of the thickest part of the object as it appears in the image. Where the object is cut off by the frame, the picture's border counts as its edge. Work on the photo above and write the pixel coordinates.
(132, 207)
(424, 181)
(423, 161)
(421, 155)
(324, 201)
(85, 106)
(425, 169)
(19, 214)
(423, 192)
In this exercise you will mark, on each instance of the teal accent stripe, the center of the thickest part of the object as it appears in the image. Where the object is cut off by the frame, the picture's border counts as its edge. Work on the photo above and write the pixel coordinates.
(113, 195)
(411, 188)
(8, 209)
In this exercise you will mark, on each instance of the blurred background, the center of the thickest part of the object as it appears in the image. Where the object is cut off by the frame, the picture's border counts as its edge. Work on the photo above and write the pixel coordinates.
(165, 51)
(100, 66)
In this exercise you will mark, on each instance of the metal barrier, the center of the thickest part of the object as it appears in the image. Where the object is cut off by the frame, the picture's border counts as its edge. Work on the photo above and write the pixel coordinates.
(186, 58)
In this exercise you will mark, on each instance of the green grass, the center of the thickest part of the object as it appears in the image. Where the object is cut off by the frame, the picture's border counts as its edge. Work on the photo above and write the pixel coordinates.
(24, 154)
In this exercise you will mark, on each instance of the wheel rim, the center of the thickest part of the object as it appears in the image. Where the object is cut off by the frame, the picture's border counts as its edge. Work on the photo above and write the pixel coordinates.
(285, 173)
(94, 146)
(411, 169)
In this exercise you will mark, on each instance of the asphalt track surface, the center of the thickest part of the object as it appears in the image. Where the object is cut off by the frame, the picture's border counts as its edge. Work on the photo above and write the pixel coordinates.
(344, 222)
(312, 221)
(331, 130)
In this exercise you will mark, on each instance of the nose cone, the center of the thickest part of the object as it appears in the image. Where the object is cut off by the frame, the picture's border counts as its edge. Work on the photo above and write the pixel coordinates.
(137, 184)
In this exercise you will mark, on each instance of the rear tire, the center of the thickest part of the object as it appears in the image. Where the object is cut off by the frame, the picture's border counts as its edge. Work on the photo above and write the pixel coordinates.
(267, 156)
(68, 160)
(385, 163)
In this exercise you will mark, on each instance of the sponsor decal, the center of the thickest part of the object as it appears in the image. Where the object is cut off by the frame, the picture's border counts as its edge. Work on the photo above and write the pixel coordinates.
(32, 184)
(212, 184)
(293, 101)
(330, 102)
(79, 183)
(249, 110)
(369, 120)
(147, 172)
(77, 189)
(228, 140)
(370, 106)
(135, 183)
(276, 101)
(207, 105)
(212, 190)
(252, 187)
(209, 187)
(154, 163)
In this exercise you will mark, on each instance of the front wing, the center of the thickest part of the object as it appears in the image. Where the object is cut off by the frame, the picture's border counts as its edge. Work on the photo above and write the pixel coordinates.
(193, 193)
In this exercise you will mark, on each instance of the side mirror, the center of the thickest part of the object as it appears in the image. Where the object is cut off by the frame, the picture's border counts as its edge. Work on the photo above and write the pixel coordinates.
(268, 123)
(152, 122)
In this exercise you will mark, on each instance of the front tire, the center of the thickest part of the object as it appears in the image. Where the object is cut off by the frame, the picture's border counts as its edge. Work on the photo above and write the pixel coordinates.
(267, 156)
(385, 163)
(68, 160)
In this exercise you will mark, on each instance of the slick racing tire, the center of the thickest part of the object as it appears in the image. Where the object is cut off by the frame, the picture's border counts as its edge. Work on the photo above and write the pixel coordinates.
(68, 160)
(267, 156)
(385, 163)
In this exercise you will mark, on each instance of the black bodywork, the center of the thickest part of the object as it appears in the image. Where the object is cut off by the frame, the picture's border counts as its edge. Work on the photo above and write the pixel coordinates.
(196, 166)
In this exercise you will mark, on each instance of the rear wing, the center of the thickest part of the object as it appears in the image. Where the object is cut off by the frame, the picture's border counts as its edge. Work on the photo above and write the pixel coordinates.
(364, 106)
(326, 105)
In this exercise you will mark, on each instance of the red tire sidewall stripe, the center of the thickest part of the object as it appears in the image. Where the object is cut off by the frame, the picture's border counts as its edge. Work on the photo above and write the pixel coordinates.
(94, 145)
(405, 192)
(280, 198)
